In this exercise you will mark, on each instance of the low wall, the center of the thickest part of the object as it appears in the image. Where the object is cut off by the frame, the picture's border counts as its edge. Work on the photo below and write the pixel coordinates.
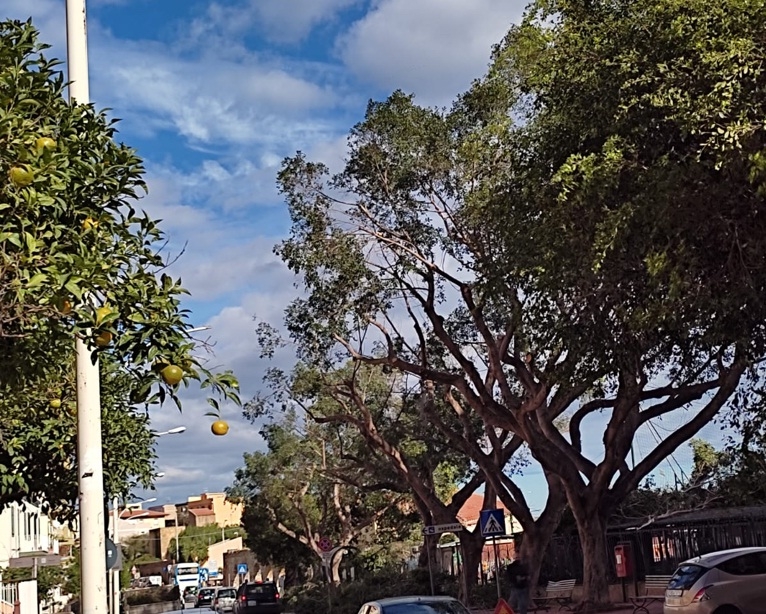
(153, 608)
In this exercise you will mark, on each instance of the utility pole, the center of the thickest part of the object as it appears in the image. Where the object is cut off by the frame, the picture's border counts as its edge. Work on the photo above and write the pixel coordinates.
(90, 470)
(116, 572)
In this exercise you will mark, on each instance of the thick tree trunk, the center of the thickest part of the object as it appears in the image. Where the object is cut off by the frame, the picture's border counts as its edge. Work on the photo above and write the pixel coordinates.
(335, 571)
(471, 546)
(591, 528)
(532, 552)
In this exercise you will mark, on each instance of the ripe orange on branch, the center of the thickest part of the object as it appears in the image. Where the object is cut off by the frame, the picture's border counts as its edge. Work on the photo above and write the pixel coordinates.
(219, 427)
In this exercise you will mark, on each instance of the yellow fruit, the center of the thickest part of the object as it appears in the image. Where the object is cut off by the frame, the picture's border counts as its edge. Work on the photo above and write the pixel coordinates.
(21, 176)
(65, 307)
(89, 224)
(220, 428)
(104, 338)
(101, 313)
(172, 374)
(55, 403)
(45, 143)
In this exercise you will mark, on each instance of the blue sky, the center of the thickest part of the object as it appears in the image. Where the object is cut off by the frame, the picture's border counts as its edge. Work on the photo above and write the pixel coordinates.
(214, 95)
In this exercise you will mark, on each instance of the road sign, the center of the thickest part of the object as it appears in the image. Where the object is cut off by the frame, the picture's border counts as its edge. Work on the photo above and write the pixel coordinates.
(492, 523)
(113, 555)
(325, 545)
(242, 569)
(204, 574)
(435, 529)
(41, 559)
(502, 607)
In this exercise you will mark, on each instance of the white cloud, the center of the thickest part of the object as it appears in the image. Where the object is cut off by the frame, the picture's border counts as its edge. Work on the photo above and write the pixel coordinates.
(47, 16)
(433, 48)
(210, 99)
(284, 21)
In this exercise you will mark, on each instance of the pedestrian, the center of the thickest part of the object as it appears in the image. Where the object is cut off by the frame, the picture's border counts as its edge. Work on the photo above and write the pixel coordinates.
(517, 576)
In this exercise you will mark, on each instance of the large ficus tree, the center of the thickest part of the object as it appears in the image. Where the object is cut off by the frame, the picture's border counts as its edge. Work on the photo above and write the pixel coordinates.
(581, 234)
(394, 443)
(76, 258)
(309, 485)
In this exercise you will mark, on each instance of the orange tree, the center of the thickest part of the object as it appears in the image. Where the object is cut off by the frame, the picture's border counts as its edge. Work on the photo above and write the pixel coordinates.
(77, 258)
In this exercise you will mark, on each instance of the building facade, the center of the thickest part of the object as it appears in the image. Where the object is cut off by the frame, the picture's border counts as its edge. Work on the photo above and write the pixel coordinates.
(207, 509)
(27, 537)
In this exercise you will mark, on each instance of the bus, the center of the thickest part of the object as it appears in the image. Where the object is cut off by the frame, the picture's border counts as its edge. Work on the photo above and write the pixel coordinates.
(186, 575)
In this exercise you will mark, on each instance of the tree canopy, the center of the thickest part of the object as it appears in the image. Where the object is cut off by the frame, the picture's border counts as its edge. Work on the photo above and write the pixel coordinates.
(580, 235)
(78, 258)
(309, 486)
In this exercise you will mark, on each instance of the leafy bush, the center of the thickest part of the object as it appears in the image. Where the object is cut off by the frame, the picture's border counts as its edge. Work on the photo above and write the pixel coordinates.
(156, 594)
(348, 597)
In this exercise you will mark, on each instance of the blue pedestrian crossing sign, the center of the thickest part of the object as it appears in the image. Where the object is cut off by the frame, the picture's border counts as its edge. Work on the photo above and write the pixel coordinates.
(242, 569)
(492, 523)
(204, 574)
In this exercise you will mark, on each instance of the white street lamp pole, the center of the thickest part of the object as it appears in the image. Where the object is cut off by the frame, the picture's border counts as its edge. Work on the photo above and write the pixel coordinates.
(90, 470)
(115, 601)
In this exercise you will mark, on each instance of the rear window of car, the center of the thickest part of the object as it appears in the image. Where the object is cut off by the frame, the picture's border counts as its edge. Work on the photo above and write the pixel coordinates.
(268, 590)
(207, 592)
(686, 576)
(229, 592)
(438, 607)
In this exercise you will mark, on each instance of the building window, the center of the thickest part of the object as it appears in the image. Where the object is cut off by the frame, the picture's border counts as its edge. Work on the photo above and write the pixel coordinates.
(13, 521)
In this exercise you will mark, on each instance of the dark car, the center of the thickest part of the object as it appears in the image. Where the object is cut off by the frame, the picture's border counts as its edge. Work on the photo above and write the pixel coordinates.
(190, 593)
(257, 598)
(204, 598)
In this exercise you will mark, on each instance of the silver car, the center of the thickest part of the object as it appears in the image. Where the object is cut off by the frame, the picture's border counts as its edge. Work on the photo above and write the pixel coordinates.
(224, 599)
(414, 605)
(724, 582)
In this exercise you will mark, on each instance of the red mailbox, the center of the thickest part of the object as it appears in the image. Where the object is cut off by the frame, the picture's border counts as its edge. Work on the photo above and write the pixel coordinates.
(623, 560)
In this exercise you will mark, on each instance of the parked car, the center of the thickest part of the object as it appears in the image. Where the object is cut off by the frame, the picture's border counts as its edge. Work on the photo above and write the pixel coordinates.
(414, 605)
(257, 598)
(224, 599)
(204, 598)
(725, 582)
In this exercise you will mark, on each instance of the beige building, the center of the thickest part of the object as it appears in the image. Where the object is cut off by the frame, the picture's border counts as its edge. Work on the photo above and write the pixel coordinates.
(216, 554)
(136, 521)
(207, 509)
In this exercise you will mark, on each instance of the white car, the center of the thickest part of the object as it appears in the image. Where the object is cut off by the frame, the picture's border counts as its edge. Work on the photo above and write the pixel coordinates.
(224, 599)
(724, 582)
(414, 605)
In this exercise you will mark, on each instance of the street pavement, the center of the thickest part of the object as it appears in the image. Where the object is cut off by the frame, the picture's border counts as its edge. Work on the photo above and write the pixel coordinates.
(655, 608)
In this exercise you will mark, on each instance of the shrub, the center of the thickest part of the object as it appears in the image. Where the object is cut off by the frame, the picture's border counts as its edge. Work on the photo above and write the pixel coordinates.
(348, 597)
(155, 594)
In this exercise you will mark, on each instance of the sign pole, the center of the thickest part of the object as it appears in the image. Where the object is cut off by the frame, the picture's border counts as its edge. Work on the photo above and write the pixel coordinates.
(497, 566)
(430, 567)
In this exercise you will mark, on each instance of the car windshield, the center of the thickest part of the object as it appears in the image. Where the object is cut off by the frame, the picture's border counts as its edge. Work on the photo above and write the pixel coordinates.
(434, 607)
(685, 576)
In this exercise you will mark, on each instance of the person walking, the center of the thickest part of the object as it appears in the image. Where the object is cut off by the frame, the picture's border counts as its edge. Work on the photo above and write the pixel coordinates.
(517, 576)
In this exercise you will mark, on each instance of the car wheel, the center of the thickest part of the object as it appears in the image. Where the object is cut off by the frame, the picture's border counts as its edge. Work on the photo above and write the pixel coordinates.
(727, 609)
